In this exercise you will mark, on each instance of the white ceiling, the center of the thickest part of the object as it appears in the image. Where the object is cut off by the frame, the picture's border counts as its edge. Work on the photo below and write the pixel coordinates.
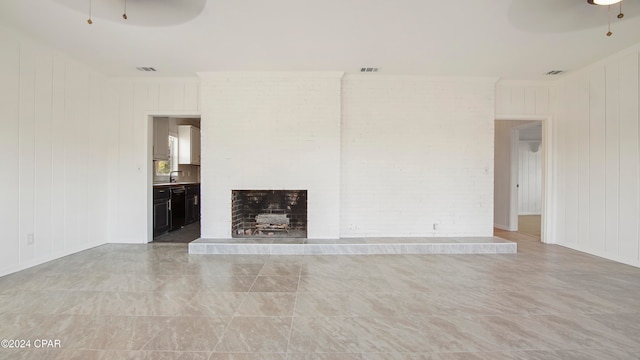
(518, 39)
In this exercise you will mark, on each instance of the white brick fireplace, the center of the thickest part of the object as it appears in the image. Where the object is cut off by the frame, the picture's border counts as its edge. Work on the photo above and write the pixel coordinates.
(271, 131)
(379, 155)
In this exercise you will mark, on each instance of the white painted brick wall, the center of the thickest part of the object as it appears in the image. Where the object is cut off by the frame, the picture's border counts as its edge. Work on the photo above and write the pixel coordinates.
(271, 131)
(417, 151)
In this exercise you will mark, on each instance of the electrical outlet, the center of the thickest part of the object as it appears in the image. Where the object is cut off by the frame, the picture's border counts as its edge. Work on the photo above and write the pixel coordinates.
(30, 239)
(436, 226)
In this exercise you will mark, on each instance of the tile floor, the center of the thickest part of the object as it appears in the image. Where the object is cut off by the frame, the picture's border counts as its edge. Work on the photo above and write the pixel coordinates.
(157, 302)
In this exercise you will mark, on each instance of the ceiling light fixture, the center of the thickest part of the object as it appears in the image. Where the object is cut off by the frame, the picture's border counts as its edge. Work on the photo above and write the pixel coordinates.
(608, 3)
(603, 2)
(89, 21)
(124, 14)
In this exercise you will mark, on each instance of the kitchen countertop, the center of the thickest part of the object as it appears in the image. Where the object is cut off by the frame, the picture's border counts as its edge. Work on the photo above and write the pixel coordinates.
(175, 184)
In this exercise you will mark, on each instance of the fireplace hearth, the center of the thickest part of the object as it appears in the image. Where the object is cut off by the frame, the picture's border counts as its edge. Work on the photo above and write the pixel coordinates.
(269, 213)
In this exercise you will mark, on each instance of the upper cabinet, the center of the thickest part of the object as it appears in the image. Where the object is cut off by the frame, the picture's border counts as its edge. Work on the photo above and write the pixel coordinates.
(188, 145)
(161, 138)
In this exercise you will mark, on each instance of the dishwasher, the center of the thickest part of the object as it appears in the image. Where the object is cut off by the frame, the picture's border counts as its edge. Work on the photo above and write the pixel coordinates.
(177, 207)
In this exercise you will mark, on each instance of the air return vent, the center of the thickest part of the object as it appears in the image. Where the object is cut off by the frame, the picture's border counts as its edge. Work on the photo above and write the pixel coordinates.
(145, 68)
(554, 72)
(369, 69)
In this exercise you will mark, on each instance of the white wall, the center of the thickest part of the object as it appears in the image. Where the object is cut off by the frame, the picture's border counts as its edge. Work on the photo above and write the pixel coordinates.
(516, 103)
(271, 131)
(130, 103)
(53, 152)
(598, 160)
(517, 99)
(417, 151)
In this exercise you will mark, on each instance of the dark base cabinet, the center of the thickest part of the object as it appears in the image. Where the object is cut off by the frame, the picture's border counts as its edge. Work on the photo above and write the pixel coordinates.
(161, 211)
(175, 206)
(192, 204)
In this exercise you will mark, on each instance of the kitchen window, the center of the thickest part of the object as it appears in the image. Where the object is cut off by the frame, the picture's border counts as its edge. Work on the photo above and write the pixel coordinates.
(164, 168)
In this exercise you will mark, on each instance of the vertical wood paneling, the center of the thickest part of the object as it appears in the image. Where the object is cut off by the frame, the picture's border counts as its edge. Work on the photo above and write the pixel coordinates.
(84, 154)
(612, 154)
(153, 97)
(58, 153)
(517, 100)
(172, 96)
(529, 100)
(503, 99)
(71, 156)
(27, 149)
(9, 147)
(597, 158)
(140, 150)
(113, 163)
(128, 105)
(192, 96)
(582, 130)
(126, 162)
(542, 101)
(629, 176)
(529, 179)
(572, 166)
(522, 98)
(43, 160)
(612, 159)
(178, 96)
(98, 165)
(560, 136)
(140, 106)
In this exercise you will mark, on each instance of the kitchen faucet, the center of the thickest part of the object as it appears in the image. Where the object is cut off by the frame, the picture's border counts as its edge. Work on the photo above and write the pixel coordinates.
(171, 179)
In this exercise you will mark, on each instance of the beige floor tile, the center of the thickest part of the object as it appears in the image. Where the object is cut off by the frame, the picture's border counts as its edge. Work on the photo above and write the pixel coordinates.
(158, 302)
(324, 356)
(256, 334)
(281, 269)
(124, 332)
(267, 304)
(390, 334)
(189, 334)
(213, 303)
(275, 284)
(247, 356)
(322, 304)
(323, 334)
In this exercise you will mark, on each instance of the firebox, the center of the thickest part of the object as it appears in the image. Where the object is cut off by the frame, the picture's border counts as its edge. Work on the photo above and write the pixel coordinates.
(269, 213)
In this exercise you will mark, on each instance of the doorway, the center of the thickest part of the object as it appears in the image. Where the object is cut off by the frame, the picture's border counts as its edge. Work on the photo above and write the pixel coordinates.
(521, 176)
(174, 179)
(529, 180)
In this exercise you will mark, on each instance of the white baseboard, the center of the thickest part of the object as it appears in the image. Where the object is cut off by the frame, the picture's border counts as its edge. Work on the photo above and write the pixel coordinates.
(34, 262)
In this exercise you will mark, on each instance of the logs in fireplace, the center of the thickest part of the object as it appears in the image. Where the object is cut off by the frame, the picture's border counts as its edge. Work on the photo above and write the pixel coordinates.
(269, 213)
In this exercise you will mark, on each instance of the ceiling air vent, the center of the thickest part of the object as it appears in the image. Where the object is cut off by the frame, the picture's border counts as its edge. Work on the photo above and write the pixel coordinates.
(145, 68)
(369, 69)
(555, 72)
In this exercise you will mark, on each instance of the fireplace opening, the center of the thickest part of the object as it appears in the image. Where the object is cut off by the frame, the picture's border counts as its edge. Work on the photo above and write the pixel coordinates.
(269, 213)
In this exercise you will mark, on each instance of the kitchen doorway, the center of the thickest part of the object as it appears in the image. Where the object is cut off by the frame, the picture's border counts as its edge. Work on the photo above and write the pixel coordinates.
(175, 200)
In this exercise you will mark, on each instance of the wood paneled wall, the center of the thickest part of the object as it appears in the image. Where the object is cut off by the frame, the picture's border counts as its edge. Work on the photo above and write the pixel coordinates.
(598, 159)
(53, 152)
(130, 103)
